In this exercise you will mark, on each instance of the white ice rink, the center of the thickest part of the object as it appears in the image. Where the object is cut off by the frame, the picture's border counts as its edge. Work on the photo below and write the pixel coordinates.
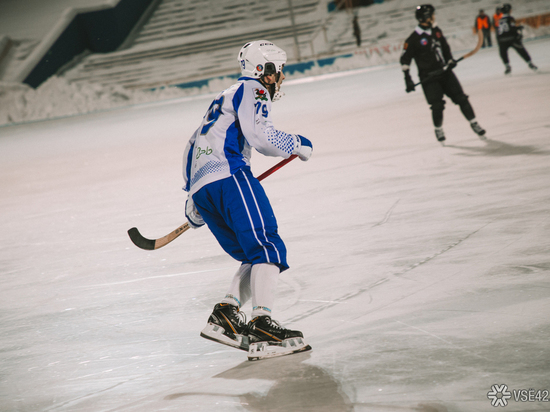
(419, 273)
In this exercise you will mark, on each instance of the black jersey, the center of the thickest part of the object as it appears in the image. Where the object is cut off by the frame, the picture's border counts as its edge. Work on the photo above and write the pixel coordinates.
(428, 47)
(507, 29)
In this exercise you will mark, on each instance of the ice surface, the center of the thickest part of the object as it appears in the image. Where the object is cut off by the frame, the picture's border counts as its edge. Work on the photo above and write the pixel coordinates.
(419, 273)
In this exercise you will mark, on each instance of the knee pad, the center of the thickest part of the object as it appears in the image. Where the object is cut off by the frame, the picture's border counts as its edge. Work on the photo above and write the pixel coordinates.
(460, 99)
(439, 106)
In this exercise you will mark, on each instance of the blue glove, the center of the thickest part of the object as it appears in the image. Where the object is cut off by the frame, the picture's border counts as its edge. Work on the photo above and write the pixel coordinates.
(304, 148)
(193, 216)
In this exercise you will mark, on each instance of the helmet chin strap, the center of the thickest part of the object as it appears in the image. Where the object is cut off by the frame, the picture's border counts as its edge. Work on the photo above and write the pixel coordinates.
(278, 94)
(427, 24)
(274, 88)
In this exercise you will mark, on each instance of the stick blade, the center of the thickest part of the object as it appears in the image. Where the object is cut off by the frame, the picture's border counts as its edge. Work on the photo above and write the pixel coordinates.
(139, 240)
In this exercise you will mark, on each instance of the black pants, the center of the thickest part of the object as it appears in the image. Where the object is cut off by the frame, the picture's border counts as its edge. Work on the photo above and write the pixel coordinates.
(446, 84)
(517, 45)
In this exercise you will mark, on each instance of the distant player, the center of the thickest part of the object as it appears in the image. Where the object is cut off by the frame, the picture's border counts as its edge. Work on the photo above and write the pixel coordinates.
(510, 35)
(225, 195)
(432, 54)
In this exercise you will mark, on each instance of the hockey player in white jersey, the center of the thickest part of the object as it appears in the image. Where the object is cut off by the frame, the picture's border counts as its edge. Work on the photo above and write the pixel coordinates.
(225, 195)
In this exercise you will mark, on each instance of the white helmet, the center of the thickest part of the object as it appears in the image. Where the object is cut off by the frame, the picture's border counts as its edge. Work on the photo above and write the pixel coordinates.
(261, 57)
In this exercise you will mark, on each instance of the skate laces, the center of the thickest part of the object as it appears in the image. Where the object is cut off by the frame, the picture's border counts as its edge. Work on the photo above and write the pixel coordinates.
(238, 316)
(273, 323)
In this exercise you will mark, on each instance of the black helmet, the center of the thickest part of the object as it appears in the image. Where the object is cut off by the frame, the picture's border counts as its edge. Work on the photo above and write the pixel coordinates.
(424, 12)
(506, 8)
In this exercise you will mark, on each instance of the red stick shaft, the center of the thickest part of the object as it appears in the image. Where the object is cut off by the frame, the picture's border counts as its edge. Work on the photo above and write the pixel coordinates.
(276, 167)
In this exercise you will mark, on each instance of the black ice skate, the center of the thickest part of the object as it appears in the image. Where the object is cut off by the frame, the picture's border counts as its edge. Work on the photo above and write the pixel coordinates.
(480, 131)
(440, 135)
(227, 325)
(268, 339)
(533, 67)
(508, 69)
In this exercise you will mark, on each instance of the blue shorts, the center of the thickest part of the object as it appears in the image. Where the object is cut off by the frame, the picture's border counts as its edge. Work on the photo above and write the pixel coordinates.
(237, 211)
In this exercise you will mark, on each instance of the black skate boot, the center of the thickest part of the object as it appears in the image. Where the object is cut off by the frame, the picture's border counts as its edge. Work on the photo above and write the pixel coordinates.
(227, 325)
(480, 131)
(440, 135)
(508, 69)
(268, 339)
(533, 67)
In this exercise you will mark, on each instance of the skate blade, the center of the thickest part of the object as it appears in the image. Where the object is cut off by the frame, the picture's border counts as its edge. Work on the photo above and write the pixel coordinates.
(216, 333)
(266, 350)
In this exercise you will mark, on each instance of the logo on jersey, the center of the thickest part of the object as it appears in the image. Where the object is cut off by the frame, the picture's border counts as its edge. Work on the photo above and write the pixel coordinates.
(259, 68)
(423, 41)
(260, 94)
(201, 151)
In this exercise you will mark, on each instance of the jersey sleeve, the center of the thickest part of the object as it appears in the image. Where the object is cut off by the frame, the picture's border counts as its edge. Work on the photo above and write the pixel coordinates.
(407, 54)
(254, 114)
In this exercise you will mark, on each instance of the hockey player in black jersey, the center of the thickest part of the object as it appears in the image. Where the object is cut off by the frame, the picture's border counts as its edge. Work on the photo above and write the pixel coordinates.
(510, 35)
(433, 57)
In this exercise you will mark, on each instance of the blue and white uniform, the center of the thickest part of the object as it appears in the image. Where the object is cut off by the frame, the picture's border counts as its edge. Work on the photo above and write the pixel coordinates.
(216, 170)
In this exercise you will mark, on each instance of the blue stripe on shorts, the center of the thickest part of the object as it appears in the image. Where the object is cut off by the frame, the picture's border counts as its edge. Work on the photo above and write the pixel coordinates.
(237, 211)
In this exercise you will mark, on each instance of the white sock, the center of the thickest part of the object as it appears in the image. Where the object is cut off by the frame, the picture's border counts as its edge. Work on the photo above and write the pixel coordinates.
(239, 291)
(264, 286)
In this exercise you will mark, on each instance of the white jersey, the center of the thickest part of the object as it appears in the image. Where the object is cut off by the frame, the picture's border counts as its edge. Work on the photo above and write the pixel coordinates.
(238, 120)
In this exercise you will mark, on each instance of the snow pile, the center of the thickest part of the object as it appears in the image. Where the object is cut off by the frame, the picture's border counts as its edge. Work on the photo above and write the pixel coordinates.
(57, 98)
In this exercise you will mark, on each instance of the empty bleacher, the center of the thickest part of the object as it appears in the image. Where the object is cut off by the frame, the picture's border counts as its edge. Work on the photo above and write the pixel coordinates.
(186, 40)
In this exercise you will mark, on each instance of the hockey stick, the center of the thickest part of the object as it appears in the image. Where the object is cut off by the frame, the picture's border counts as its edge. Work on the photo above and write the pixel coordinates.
(444, 69)
(152, 244)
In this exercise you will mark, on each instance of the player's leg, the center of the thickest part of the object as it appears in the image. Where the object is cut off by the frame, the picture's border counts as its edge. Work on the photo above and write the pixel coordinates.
(522, 51)
(267, 338)
(239, 291)
(434, 96)
(518, 47)
(503, 52)
(226, 324)
(453, 89)
(252, 219)
(256, 229)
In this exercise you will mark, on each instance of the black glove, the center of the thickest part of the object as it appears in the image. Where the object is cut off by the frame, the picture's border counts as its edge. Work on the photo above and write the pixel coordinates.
(519, 33)
(451, 64)
(408, 82)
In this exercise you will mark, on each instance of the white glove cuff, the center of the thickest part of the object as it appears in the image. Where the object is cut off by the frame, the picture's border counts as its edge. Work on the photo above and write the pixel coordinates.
(297, 144)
